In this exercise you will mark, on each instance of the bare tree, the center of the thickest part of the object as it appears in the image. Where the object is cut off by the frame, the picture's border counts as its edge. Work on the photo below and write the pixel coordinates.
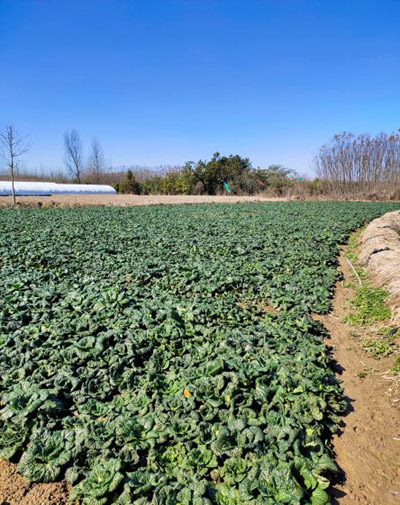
(351, 163)
(96, 164)
(73, 154)
(13, 146)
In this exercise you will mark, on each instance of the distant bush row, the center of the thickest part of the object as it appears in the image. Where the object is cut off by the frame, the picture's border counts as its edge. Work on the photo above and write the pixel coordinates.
(220, 175)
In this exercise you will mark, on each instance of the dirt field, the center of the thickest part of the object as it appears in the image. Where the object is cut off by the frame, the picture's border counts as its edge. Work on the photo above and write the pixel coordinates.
(127, 200)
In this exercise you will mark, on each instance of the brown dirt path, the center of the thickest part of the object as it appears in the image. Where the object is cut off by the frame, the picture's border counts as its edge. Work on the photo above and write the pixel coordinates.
(128, 200)
(368, 446)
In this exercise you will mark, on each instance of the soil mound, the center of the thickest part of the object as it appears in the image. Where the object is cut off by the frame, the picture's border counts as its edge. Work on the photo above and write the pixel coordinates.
(380, 253)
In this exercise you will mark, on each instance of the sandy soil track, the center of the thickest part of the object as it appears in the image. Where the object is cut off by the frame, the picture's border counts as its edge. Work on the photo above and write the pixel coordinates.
(127, 200)
(368, 445)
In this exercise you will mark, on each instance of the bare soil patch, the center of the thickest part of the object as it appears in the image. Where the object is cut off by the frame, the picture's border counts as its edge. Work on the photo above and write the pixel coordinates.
(127, 200)
(368, 446)
(380, 253)
(16, 490)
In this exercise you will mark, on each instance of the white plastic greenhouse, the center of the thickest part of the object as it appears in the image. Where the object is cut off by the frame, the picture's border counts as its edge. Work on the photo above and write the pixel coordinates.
(53, 188)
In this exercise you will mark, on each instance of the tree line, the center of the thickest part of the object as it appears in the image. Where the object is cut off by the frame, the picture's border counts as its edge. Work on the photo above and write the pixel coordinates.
(348, 164)
(220, 175)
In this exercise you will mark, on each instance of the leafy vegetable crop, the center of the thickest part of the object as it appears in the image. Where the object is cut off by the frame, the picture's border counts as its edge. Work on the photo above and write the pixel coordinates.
(138, 360)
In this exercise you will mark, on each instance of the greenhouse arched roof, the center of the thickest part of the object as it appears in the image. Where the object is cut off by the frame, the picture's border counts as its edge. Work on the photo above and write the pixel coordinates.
(53, 188)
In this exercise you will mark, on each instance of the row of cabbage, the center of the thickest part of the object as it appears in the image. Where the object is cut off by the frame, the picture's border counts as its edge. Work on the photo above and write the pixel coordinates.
(142, 358)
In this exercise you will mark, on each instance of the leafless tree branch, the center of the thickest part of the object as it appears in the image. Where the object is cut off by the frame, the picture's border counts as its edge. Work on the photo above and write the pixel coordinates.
(73, 154)
(96, 165)
(12, 146)
(352, 162)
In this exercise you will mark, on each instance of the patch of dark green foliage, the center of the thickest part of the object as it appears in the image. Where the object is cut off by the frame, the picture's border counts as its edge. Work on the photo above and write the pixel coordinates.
(130, 366)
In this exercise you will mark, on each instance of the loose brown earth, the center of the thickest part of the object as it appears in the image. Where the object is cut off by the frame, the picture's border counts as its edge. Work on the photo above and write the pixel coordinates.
(368, 444)
(367, 447)
(15, 490)
(127, 200)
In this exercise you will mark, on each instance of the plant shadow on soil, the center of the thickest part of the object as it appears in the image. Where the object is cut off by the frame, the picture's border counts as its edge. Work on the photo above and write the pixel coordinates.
(340, 477)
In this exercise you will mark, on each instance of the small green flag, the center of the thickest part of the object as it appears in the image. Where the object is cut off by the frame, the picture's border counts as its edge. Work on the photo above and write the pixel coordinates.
(227, 187)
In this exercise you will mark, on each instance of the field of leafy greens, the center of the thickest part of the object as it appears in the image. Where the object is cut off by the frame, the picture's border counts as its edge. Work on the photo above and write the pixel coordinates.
(142, 360)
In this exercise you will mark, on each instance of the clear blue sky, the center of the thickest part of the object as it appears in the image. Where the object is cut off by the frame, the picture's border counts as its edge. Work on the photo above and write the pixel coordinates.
(165, 81)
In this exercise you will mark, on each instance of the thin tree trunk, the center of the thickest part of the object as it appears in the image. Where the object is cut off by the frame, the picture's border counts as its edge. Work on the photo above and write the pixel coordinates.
(12, 183)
